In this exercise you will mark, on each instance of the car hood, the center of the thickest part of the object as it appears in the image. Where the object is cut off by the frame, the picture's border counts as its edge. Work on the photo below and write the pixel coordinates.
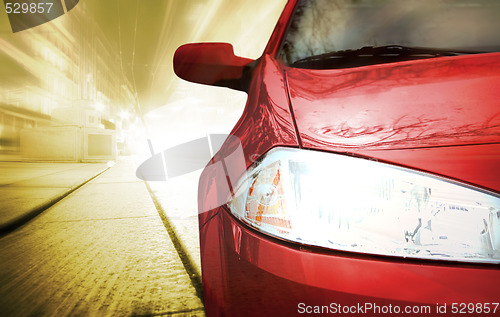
(406, 113)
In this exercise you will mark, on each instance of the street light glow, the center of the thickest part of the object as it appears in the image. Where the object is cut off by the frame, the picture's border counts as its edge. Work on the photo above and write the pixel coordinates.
(124, 115)
(99, 106)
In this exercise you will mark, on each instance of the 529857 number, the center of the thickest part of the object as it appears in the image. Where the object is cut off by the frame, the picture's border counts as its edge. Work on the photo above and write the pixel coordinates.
(471, 308)
(17, 8)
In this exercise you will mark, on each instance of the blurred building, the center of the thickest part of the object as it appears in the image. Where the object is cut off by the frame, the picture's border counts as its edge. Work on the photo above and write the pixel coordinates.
(62, 74)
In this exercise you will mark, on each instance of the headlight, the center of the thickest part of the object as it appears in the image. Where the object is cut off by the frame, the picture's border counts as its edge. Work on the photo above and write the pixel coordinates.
(353, 204)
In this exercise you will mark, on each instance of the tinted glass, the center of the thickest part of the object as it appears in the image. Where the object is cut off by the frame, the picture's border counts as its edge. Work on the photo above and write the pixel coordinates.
(323, 26)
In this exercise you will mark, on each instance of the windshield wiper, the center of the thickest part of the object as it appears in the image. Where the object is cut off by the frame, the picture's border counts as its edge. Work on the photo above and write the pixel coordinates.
(374, 55)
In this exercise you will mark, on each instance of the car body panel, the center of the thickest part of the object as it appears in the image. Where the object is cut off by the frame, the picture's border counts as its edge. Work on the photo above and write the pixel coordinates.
(476, 165)
(266, 122)
(432, 102)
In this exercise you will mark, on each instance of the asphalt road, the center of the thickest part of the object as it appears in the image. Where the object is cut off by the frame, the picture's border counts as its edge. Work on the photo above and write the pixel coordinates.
(101, 251)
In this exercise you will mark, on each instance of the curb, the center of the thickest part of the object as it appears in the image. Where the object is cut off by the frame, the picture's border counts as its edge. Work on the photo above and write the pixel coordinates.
(186, 258)
(14, 224)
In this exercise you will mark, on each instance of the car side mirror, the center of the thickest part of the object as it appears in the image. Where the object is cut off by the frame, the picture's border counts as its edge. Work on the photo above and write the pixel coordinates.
(212, 64)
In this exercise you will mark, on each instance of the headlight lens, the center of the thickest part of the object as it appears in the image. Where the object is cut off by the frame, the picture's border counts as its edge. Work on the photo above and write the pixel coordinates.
(353, 204)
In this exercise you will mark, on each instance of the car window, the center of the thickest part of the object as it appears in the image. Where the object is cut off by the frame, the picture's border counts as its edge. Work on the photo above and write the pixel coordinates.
(323, 26)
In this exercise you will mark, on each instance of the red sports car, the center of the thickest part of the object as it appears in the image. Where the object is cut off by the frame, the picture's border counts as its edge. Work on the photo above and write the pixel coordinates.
(363, 177)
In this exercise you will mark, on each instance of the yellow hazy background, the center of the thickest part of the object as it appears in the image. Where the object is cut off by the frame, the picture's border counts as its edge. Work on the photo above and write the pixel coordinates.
(107, 65)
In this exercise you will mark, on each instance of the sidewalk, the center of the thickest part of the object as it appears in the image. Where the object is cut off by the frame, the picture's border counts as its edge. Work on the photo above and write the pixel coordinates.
(26, 188)
(103, 250)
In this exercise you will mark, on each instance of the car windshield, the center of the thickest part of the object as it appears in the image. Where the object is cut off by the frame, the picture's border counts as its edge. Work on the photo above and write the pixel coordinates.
(345, 30)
